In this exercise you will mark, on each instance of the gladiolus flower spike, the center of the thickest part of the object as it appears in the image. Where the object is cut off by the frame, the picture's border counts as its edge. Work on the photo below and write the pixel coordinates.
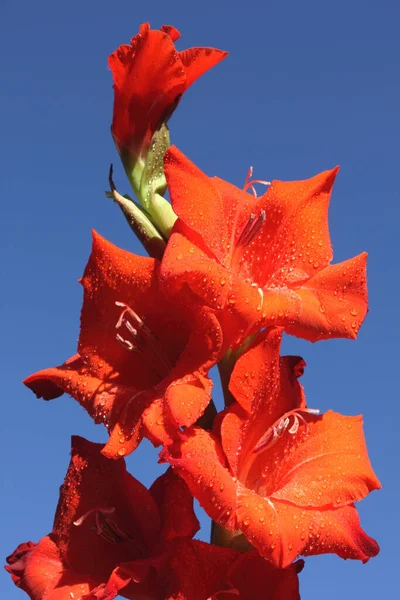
(229, 272)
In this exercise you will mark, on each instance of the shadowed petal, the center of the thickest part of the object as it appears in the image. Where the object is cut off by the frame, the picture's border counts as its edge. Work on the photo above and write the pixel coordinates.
(175, 503)
(38, 570)
(103, 400)
(256, 578)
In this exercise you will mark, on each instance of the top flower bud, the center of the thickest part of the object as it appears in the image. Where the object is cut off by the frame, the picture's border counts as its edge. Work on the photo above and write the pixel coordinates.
(150, 77)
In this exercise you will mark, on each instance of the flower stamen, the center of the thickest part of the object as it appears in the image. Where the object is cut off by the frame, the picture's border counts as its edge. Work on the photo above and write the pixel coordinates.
(290, 422)
(142, 339)
(250, 229)
(104, 526)
(249, 183)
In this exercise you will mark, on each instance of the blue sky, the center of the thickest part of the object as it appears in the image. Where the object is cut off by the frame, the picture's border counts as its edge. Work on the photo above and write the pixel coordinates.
(307, 85)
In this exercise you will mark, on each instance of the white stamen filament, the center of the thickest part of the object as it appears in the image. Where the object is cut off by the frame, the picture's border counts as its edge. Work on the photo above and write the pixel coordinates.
(142, 339)
(279, 427)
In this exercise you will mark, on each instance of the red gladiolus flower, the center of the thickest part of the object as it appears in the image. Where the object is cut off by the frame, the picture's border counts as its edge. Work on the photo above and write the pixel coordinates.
(284, 477)
(104, 518)
(261, 261)
(143, 361)
(150, 77)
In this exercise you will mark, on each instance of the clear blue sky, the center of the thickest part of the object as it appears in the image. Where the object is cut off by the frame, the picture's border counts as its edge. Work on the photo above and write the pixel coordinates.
(307, 85)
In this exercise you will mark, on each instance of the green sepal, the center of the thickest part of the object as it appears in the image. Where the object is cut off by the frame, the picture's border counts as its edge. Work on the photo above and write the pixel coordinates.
(140, 222)
(153, 184)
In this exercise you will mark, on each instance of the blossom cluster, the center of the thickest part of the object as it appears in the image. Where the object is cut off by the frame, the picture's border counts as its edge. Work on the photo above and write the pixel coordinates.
(228, 273)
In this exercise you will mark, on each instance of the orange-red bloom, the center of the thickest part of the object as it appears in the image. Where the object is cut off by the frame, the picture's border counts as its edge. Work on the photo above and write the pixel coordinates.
(284, 477)
(104, 519)
(261, 261)
(150, 77)
(113, 536)
(143, 361)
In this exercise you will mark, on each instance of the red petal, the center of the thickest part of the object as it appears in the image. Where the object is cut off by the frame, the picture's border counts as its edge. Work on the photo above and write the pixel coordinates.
(114, 275)
(199, 460)
(295, 235)
(128, 430)
(157, 423)
(52, 383)
(203, 348)
(184, 262)
(190, 389)
(281, 531)
(94, 482)
(327, 468)
(252, 576)
(199, 60)
(148, 81)
(256, 375)
(333, 302)
(170, 30)
(180, 399)
(118, 580)
(39, 571)
(175, 503)
(232, 435)
(265, 385)
(197, 202)
(196, 570)
(209, 283)
(103, 400)
(150, 76)
(188, 401)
